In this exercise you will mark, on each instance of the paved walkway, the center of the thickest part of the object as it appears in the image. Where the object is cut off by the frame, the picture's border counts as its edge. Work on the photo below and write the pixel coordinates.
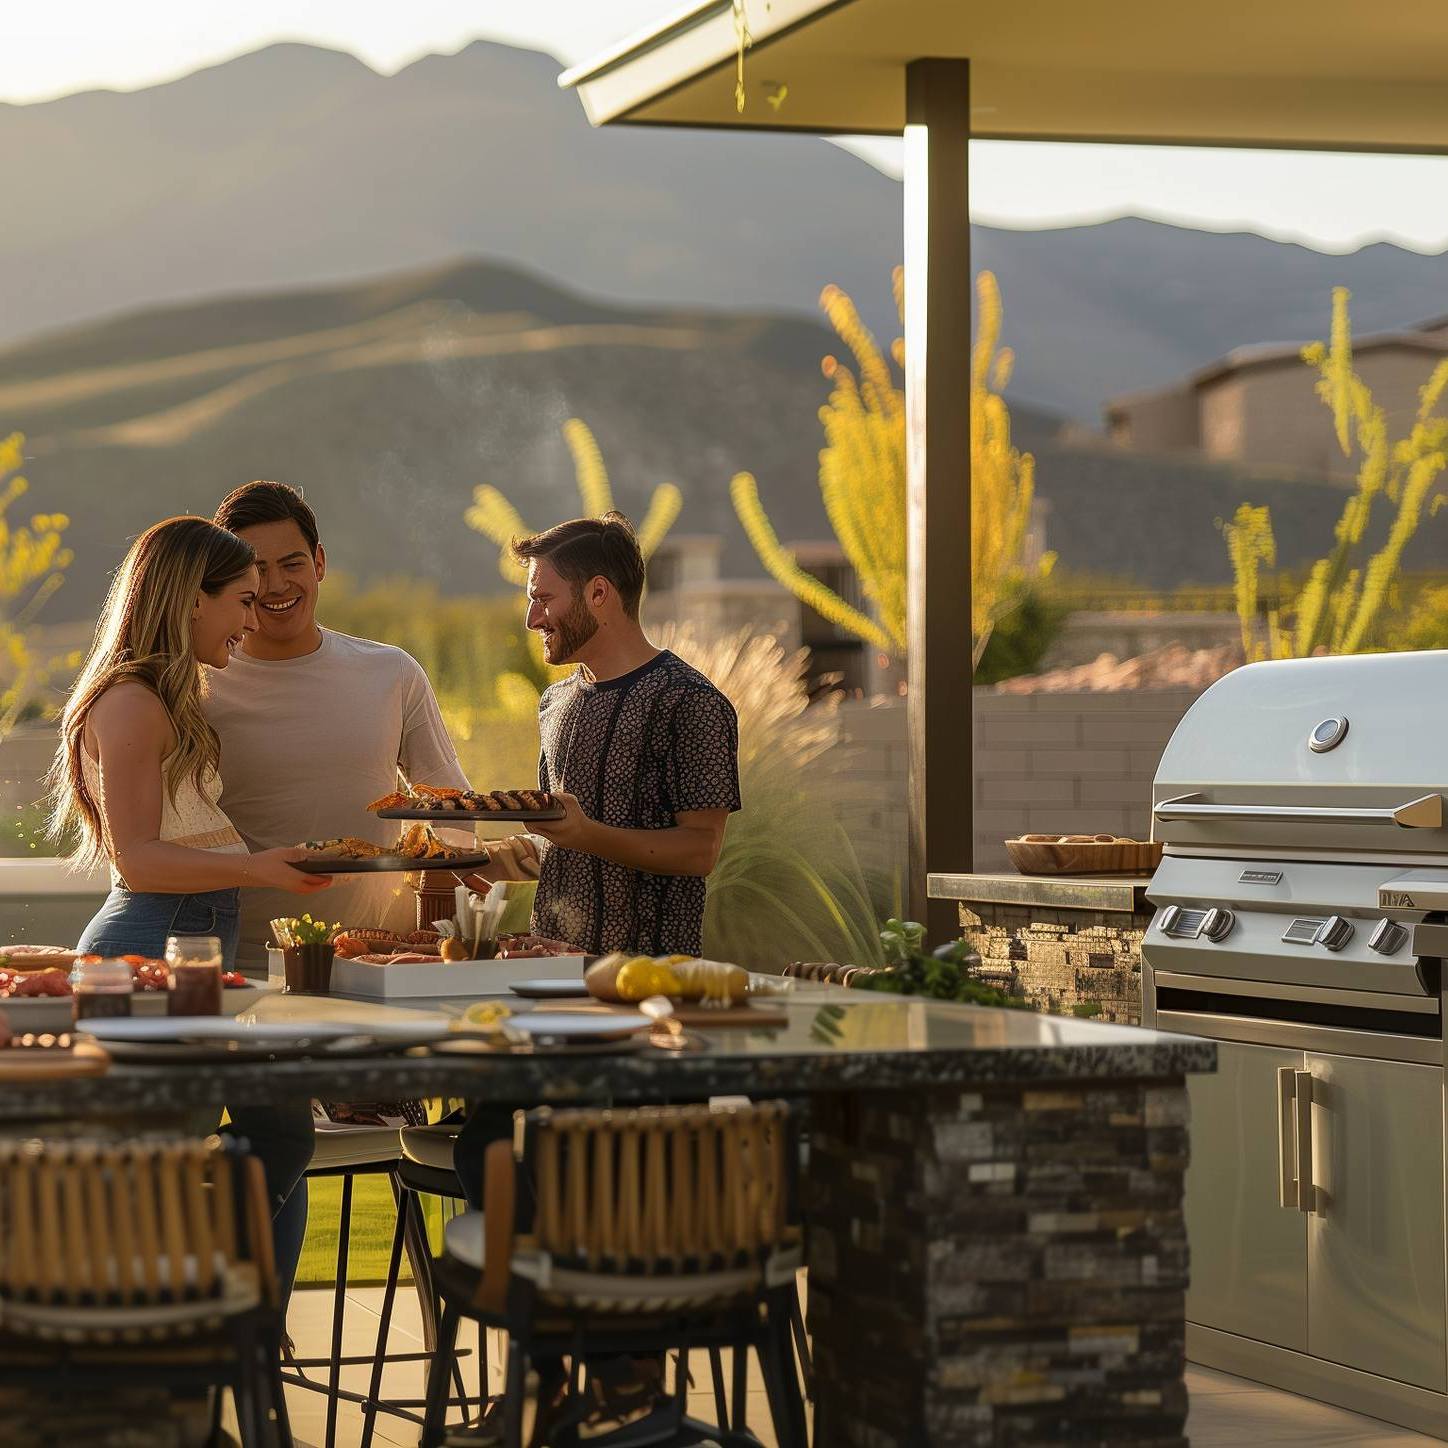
(1226, 1412)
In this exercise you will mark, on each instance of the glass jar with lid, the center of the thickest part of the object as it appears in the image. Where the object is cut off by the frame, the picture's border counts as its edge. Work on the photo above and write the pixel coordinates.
(195, 963)
(101, 987)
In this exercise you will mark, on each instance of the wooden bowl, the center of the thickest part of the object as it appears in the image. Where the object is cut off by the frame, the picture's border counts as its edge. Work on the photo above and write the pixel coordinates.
(1073, 855)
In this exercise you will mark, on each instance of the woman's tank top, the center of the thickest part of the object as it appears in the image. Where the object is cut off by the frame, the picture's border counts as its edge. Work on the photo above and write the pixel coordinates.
(193, 818)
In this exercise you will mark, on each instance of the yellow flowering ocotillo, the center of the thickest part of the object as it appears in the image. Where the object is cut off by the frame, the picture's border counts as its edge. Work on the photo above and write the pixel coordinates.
(33, 560)
(492, 515)
(1342, 602)
(862, 482)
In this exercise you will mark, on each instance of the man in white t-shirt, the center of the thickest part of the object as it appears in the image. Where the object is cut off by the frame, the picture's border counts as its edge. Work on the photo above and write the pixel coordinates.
(315, 724)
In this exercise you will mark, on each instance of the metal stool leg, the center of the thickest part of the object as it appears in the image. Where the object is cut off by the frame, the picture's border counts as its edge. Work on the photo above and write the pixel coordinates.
(419, 1257)
(740, 1415)
(339, 1307)
(384, 1322)
(515, 1386)
(801, 1341)
(721, 1398)
(435, 1413)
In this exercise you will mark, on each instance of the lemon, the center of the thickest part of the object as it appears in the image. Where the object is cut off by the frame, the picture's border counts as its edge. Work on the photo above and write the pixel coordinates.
(675, 959)
(664, 981)
(635, 981)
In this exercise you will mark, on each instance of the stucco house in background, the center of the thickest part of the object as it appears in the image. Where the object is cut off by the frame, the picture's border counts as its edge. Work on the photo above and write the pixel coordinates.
(1258, 406)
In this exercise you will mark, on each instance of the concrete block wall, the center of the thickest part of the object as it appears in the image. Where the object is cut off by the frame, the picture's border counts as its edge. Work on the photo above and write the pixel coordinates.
(1044, 763)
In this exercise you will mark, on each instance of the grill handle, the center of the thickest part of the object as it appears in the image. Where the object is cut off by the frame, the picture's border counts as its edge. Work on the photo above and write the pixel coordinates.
(1306, 1189)
(1287, 1138)
(1418, 814)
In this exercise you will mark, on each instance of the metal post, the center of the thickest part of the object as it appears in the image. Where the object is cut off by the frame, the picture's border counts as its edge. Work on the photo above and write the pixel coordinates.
(938, 287)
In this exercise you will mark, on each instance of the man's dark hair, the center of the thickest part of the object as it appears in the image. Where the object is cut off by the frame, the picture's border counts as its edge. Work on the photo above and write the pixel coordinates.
(585, 548)
(260, 502)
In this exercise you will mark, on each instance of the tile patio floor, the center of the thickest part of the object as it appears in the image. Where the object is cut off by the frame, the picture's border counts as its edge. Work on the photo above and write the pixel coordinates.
(1226, 1412)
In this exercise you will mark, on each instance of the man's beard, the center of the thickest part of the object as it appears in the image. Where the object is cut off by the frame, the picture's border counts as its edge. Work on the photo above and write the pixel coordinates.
(574, 630)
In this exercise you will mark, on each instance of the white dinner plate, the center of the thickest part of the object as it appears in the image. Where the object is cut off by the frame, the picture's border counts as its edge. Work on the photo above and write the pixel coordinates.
(223, 1028)
(548, 989)
(571, 1026)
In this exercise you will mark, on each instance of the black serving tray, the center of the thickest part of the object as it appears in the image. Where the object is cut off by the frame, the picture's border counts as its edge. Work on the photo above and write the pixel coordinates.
(390, 864)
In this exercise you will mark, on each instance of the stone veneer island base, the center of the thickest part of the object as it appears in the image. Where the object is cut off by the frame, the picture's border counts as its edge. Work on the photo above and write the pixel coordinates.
(999, 1266)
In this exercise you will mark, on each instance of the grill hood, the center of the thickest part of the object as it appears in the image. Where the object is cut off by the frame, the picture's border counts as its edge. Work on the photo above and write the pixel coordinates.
(1344, 758)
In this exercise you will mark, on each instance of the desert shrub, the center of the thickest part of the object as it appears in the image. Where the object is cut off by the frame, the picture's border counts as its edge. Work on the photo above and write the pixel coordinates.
(788, 885)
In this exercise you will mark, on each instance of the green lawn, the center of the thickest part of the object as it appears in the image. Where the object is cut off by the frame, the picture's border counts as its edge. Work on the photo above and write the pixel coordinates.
(373, 1220)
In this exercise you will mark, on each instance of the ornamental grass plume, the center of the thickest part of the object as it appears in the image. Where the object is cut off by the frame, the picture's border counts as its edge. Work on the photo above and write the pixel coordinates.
(1343, 607)
(788, 884)
(862, 483)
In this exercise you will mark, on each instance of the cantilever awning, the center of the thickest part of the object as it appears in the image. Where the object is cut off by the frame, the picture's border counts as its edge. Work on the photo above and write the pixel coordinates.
(1295, 74)
(1333, 74)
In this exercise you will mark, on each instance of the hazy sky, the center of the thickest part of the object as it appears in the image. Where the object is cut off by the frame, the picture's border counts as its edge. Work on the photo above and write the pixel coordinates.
(1333, 202)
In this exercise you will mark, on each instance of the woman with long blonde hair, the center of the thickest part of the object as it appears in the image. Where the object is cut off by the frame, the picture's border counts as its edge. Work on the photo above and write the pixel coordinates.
(136, 779)
(136, 775)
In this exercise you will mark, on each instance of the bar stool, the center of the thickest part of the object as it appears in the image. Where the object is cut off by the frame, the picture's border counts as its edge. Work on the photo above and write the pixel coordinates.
(141, 1262)
(634, 1231)
(424, 1168)
(348, 1153)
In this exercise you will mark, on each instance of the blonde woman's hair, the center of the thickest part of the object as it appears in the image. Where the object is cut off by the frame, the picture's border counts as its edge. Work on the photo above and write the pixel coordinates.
(144, 633)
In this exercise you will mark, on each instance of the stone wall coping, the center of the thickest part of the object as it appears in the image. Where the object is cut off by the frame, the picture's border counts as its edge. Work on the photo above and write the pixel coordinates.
(1124, 893)
(48, 876)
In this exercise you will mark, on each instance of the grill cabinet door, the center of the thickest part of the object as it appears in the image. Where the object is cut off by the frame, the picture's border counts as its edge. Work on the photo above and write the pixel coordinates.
(1249, 1253)
(1375, 1242)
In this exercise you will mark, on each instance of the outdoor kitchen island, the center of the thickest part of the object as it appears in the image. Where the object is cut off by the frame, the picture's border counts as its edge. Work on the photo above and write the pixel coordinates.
(992, 1198)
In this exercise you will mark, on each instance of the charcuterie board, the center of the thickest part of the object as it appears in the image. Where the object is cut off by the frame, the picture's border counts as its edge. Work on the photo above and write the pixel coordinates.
(34, 1062)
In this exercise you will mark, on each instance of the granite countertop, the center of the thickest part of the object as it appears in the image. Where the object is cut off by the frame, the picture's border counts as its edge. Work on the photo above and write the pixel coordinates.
(830, 1042)
(1125, 893)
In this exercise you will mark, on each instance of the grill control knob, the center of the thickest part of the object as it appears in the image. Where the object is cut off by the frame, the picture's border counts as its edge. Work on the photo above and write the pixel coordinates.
(1335, 932)
(1218, 924)
(1388, 938)
(1168, 917)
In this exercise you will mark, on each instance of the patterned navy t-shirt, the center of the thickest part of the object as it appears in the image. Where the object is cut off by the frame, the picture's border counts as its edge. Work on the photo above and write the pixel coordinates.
(635, 751)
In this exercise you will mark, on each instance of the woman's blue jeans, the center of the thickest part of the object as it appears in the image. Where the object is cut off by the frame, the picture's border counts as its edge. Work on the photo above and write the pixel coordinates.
(134, 922)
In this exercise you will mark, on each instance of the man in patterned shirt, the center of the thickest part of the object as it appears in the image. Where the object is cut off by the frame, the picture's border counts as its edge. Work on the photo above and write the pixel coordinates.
(641, 748)
(642, 751)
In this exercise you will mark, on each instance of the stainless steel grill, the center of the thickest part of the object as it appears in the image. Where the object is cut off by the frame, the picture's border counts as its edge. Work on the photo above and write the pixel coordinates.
(1302, 920)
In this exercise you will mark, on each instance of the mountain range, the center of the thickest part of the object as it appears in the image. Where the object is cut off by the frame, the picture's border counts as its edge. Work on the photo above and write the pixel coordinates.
(297, 166)
(391, 289)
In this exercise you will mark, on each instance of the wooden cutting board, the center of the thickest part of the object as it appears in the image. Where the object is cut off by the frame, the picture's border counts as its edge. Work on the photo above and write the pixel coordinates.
(53, 1063)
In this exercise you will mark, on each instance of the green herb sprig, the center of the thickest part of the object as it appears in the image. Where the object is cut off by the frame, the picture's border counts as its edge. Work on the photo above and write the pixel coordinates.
(942, 976)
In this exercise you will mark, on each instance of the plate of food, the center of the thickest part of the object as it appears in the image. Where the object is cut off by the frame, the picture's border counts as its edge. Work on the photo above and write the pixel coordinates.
(424, 1027)
(429, 802)
(541, 990)
(565, 1026)
(418, 848)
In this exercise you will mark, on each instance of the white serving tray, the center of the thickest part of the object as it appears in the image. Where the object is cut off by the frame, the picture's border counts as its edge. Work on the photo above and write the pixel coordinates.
(450, 978)
(53, 1013)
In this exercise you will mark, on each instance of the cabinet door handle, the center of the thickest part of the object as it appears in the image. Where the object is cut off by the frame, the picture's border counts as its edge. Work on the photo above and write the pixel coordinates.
(1306, 1190)
(1286, 1138)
